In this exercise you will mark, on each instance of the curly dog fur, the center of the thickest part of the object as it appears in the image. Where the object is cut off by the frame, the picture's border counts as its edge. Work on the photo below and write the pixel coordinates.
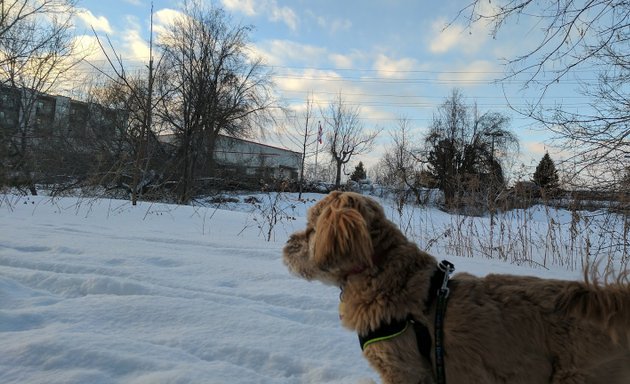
(497, 329)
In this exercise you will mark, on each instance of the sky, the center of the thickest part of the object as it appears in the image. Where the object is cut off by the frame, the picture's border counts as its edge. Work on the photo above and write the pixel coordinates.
(100, 291)
(392, 59)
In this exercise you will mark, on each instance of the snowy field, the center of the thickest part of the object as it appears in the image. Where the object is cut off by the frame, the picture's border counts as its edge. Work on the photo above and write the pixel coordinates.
(99, 291)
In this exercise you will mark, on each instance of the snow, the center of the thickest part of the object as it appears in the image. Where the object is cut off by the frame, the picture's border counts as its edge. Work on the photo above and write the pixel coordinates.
(100, 291)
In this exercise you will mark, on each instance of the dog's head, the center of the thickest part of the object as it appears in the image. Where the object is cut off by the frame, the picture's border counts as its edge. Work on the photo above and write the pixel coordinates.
(337, 240)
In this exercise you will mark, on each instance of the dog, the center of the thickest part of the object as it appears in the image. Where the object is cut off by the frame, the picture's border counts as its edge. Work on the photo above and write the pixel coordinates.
(496, 329)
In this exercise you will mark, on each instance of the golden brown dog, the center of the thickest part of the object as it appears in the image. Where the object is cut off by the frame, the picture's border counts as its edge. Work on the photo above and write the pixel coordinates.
(497, 329)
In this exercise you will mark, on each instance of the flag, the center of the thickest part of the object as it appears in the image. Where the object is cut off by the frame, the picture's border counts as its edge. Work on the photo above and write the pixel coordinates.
(319, 133)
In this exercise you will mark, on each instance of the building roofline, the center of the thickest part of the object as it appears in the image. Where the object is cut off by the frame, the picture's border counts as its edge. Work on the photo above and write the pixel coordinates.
(249, 141)
(263, 144)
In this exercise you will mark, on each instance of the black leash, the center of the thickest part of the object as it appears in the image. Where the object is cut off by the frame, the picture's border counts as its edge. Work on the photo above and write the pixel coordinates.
(446, 268)
(439, 290)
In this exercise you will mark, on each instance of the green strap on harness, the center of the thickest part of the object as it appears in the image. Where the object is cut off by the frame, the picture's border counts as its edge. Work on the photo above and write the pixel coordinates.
(388, 332)
(438, 289)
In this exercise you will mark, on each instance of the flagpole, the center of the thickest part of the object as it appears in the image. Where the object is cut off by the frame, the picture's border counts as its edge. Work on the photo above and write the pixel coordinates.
(319, 140)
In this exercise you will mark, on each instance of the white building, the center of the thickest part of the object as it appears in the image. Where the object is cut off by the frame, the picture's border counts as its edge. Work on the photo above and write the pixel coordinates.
(256, 159)
(244, 158)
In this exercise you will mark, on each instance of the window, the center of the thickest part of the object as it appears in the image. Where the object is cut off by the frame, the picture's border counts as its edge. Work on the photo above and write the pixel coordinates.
(6, 100)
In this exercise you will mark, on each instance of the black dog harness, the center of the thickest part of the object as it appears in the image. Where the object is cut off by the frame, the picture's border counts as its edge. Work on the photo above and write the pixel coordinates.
(387, 331)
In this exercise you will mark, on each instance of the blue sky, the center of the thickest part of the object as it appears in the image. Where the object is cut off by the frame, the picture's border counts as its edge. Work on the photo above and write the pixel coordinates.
(394, 59)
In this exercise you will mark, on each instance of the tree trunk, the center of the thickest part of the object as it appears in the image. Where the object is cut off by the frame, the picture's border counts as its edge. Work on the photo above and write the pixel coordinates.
(338, 176)
(301, 180)
(185, 180)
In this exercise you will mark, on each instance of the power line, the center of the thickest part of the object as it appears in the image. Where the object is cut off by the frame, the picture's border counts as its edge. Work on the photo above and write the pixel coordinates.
(425, 105)
(393, 100)
(372, 70)
(400, 71)
(416, 80)
(405, 96)
(386, 79)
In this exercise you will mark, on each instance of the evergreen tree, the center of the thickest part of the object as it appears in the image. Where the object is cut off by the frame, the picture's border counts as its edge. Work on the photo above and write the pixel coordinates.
(359, 173)
(546, 175)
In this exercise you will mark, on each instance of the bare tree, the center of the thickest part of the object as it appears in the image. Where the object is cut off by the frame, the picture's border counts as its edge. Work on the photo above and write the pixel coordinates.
(130, 147)
(36, 54)
(137, 99)
(303, 136)
(15, 12)
(216, 87)
(403, 163)
(590, 40)
(347, 137)
(466, 147)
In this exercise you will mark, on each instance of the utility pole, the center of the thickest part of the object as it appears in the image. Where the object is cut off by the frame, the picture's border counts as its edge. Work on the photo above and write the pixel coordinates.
(493, 136)
(142, 159)
(319, 141)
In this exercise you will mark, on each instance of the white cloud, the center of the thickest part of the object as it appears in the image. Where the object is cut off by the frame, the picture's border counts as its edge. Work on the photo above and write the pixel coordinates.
(340, 25)
(536, 148)
(87, 46)
(279, 52)
(444, 40)
(324, 86)
(136, 46)
(99, 23)
(269, 8)
(394, 69)
(470, 74)
(242, 6)
(296, 76)
(166, 16)
(284, 14)
(332, 25)
(468, 40)
(305, 80)
(163, 18)
(341, 61)
(488, 8)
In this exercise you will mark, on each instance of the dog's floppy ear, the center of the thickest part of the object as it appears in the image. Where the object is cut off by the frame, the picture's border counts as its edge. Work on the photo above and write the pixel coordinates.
(342, 239)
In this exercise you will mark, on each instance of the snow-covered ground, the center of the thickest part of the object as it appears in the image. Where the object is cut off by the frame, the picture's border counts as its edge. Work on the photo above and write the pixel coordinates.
(99, 291)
